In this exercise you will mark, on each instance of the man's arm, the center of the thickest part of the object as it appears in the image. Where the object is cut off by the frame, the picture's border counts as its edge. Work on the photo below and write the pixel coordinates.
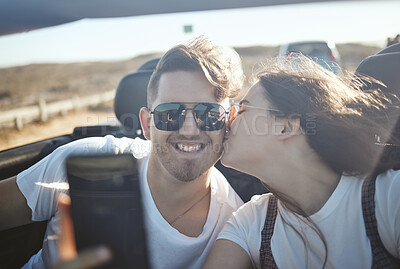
(14, 210)
(227, 254)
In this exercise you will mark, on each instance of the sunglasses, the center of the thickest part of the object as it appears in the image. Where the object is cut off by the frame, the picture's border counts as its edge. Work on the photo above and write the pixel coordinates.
(171, 116)
(235, 108)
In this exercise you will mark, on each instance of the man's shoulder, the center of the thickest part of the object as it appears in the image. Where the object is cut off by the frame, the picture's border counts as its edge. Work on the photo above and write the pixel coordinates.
(109, 144)
(91, 142)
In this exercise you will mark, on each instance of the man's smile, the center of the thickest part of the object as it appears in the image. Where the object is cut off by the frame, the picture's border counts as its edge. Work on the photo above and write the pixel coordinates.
(189, 147)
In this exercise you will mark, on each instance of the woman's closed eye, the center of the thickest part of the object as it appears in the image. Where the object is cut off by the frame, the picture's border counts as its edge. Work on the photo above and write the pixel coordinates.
(241, 110)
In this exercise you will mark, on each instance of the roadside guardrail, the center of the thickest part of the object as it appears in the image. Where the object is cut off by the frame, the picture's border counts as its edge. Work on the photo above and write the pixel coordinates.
(43, 110)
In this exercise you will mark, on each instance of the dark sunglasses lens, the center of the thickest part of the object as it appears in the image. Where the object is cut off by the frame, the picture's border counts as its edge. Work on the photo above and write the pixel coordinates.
(209, 117)
(166, 116)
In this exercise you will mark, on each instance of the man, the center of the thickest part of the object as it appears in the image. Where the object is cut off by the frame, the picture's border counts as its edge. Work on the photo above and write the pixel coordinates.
(186, 200)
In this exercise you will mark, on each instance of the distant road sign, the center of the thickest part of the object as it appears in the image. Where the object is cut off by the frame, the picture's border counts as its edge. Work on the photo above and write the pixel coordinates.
(188, 29)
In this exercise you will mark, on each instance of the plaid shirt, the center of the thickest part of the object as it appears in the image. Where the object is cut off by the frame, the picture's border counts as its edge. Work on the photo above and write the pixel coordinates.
(381, 258)
(266, 257)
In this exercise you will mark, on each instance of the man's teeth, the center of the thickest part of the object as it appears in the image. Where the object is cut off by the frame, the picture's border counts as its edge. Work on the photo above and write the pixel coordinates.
(189, 148)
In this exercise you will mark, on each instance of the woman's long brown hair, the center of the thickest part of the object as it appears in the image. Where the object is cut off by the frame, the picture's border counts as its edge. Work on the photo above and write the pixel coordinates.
(340, 121)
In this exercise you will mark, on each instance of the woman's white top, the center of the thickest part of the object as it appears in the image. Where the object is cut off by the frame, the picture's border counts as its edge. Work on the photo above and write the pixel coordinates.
(340, 220)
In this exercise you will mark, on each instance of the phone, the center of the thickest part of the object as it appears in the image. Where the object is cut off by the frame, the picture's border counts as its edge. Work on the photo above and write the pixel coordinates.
(106, 207)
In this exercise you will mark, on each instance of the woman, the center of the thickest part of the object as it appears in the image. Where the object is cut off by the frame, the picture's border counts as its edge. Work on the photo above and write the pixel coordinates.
(309, 135)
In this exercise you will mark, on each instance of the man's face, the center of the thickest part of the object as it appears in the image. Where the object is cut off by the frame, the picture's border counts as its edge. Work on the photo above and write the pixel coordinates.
(188, 152)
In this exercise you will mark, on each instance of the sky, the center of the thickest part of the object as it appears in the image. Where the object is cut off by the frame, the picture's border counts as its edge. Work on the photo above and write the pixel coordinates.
(114, 39)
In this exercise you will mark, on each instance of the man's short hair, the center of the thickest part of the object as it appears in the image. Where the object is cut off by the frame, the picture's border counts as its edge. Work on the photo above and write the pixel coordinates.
(221, 66)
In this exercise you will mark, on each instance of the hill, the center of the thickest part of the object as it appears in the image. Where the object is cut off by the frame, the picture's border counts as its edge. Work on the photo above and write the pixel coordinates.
(25, 85)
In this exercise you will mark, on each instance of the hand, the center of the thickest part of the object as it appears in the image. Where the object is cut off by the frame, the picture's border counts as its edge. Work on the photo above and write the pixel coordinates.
(69, 257)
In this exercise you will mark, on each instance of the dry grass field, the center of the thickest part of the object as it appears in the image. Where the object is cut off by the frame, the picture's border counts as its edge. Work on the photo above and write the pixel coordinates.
(25, 85)
(55, 127)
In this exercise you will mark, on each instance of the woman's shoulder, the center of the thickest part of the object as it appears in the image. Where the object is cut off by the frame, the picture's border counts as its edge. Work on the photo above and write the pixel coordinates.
(257, 204)
(260, 198)
(250, 217)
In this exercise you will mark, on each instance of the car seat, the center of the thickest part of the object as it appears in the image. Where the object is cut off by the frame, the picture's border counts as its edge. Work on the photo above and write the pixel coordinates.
(385, 67)
(131, 95)
(149, 65)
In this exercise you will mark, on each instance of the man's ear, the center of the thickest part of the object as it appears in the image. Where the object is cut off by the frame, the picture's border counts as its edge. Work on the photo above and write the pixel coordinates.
(290, 128)
(145, 119)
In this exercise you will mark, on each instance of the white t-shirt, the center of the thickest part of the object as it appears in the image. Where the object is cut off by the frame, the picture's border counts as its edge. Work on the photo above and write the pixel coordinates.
(41, 183)
(168, 248)
(340, 221)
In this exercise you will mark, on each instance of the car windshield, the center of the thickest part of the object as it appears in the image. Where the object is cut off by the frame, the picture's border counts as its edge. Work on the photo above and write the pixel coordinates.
(54, 73)
(312, 48)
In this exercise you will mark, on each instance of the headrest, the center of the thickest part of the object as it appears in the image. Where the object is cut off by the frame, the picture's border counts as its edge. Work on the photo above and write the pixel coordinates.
(384, 66)
(131, 95)
(149, 65)
(390, 49)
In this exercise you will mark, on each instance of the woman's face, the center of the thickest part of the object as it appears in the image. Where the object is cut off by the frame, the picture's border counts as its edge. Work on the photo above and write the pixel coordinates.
(250, 144)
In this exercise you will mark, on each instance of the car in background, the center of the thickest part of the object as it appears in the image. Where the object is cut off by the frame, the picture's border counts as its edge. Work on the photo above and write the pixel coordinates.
(324, 53)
